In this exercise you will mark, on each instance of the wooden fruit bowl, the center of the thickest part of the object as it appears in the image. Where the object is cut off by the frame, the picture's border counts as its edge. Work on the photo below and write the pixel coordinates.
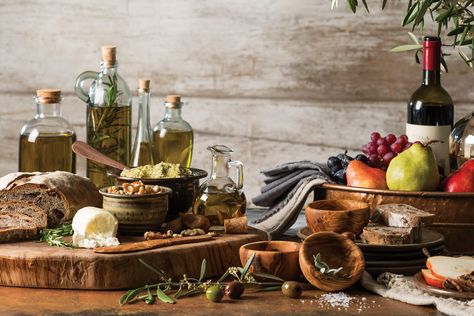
(337, 251)
(454, 211)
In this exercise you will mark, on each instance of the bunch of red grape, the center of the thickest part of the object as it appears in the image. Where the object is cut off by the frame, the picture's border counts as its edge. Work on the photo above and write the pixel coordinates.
(381, 150)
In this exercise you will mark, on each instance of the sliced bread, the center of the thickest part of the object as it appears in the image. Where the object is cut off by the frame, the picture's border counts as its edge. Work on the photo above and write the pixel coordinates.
(15, 226)
(401, 215)
(28, 209)
(60, 194)
(385, 235)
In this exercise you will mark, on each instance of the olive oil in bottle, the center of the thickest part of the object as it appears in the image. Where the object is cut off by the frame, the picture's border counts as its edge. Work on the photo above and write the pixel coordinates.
(109, 114)
(142, 153)
(219, 197)
(46, 141)
(173, 136)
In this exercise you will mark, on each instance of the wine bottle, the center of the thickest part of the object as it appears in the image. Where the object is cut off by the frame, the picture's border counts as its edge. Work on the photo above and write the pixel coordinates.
(430, 109)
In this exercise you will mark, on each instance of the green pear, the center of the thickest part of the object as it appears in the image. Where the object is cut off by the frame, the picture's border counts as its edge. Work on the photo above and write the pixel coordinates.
(415, 169)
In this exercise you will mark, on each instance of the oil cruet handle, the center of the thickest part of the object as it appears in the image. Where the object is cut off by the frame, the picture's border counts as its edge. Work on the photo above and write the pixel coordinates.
(79, 87)
(239, 166)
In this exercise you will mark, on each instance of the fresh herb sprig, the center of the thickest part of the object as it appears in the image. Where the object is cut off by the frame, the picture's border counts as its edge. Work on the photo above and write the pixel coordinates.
(455, 16)
(54, 236)
(323, 267)
(168, 291)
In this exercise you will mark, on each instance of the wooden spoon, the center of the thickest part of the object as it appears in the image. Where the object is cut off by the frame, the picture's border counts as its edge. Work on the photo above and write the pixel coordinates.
(88, 152)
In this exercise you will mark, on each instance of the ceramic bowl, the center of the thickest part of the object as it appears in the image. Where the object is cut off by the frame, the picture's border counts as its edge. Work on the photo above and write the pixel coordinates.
(336, 251)
(279, 258)
(338, 216)
(137, 214)
(184, 189)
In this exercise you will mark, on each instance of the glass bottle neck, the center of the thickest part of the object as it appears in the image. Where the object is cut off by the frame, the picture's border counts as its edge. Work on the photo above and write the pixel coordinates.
(144, 115)
(108, 69)
(173, 113)
(48, 110)
(431, 77)
(219, 166)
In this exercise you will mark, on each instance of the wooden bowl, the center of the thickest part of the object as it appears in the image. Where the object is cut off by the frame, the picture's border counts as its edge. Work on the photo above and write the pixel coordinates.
(337, 216)
(276, 257)
(337, 251)
(137, 214)
(454, 216)
(184, 189)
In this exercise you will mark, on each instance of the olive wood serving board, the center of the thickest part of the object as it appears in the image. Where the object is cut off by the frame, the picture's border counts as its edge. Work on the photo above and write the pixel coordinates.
(152, 244)
(34, 264)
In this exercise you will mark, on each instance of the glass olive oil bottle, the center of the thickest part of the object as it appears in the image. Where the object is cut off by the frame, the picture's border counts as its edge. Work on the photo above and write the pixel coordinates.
(109, 114)
(142, 153)
(46, 141)
(173, 136)
(430, 108)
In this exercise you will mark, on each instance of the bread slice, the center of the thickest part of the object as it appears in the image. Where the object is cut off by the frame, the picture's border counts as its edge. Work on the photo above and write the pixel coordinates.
(60, 194)
(28, 209)
(385, 235)
(15, 226)
(401, 215)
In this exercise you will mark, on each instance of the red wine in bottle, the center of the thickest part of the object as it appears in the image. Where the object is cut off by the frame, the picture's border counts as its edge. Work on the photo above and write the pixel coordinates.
(430, 109)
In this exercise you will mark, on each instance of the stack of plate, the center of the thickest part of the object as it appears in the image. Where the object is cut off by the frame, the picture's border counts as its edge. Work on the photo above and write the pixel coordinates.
(401, 259)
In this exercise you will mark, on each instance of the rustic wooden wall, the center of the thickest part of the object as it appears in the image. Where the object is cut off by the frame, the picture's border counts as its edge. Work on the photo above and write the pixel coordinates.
(278, 80)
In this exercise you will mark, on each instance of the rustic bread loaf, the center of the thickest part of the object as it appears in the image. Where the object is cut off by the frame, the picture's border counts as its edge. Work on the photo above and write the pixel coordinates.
(15, 226)
(385, 235)
(60, 194)
(35, 212)
(401, 215)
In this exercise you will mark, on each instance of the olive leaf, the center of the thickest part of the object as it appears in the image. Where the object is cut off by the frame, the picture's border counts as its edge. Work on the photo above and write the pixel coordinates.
(130, 295)
(203, 270)
(244, 271)
(150, 299)
(405, 48)
(413, 38)
(268, 288)
(267, 276)
(224, 276)
(163, 297)
(159, 272)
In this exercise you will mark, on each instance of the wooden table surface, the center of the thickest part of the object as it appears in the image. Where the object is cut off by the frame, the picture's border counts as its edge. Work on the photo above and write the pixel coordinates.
(30, 301)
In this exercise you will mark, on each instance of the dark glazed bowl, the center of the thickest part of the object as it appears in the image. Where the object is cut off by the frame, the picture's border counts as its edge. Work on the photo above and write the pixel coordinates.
(184, 189)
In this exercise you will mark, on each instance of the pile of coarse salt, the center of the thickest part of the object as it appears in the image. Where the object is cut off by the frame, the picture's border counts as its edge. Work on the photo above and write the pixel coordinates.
(339, 299)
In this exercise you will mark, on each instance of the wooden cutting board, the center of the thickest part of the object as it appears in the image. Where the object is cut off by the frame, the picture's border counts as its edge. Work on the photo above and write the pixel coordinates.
(34, 264)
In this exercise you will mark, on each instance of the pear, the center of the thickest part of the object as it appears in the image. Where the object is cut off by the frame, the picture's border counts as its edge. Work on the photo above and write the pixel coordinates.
(415, 169)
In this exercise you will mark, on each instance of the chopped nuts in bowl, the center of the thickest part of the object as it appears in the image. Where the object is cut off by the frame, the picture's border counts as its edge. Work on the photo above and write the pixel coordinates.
(137, 207)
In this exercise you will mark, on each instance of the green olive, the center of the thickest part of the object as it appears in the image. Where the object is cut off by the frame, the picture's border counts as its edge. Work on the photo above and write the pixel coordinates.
(292, 289)
(214, 293)
(234, 289)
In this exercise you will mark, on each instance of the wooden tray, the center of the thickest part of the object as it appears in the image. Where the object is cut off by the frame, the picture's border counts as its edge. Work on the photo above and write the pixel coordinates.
(430, 239)
(454, 211)
(420, 284)
(34, 264)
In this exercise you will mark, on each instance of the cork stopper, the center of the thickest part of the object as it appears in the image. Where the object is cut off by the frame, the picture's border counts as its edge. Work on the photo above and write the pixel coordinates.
(109, 53)
(173, 98)
(48, 95)
(144, 84)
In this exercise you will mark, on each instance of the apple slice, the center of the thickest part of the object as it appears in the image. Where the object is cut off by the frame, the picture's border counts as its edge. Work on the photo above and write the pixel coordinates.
(431, 279)
(450, 267)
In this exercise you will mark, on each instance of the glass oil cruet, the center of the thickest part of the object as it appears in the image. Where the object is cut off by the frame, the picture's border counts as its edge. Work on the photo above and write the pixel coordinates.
(46, 141)
(219, 197)
(173, 136)
(109, 104)
(461, 141)
(142, 153)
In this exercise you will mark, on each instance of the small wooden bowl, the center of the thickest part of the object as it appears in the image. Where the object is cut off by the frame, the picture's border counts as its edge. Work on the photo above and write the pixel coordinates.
(337, 251)
(137, 214)
(337, 216)
(276, 257)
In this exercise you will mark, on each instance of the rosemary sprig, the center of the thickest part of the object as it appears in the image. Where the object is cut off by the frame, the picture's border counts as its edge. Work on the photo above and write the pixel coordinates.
(54, 236)
(169, 291)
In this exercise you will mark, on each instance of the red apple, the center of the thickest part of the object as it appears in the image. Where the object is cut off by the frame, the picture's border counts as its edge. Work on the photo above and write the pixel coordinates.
(432, 280)
(461, 180)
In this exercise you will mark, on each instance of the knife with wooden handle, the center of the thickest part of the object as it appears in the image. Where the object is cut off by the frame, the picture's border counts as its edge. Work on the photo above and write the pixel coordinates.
(152, 244)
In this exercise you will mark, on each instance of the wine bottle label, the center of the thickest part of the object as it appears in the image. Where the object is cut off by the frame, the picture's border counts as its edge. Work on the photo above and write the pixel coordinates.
(426, 133)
